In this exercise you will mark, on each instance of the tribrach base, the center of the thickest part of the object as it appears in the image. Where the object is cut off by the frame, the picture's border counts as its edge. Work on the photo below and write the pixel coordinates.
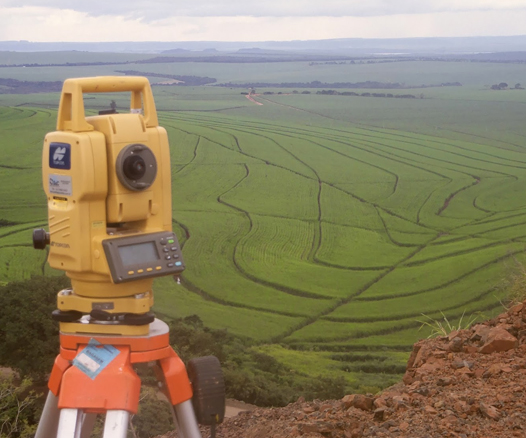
(76, 397)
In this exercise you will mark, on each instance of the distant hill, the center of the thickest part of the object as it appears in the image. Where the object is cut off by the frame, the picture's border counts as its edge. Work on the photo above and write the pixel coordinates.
(349, 46)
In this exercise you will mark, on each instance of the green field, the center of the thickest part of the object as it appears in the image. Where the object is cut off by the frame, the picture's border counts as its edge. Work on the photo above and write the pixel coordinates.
(316, 225)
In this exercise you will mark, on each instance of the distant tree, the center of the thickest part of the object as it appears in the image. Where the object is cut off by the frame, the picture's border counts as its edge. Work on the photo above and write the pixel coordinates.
(503, 85)
(518, 86)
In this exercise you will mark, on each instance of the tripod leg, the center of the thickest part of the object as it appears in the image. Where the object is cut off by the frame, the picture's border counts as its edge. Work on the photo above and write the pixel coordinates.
(48, 424)
(49, 421)
(87, 425)
(186, 421)
(70, 423)
(116, 424)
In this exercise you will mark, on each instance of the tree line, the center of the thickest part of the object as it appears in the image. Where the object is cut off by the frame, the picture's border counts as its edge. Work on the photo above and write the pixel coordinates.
(337, 85)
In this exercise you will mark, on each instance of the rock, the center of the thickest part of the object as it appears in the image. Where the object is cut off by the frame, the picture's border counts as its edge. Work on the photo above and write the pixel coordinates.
(461, 364)
(444, 381)
(498, 339)
(493, 370)
(404, 425)
(515, 310)
(359, 401)
(380, 402)
(489, 411)
(430, 410)
(456, 344)
(480, 333)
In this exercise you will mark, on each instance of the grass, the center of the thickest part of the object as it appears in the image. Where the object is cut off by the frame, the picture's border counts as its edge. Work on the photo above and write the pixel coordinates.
(443, 327)
(322, 223)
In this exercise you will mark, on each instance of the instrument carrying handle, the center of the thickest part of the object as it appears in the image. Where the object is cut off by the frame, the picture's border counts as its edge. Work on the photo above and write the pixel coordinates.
(71, 115)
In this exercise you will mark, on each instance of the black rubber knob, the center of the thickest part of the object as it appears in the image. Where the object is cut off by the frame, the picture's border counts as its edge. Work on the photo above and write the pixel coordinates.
(40, 238)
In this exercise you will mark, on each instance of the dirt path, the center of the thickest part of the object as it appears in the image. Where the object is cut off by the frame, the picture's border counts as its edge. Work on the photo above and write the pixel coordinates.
(249, 97)
(234, 407)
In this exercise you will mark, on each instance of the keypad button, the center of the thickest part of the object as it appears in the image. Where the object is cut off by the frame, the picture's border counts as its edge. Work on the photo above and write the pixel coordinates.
(149, 269)
(131, 272)
(158, 268)
(165, 250)
(168, 257)
(174, 248)
(170, 265)
(140, 271)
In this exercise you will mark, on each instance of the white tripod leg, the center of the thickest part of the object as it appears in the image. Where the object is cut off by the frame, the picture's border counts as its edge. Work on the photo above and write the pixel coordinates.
(186, 421)
(70, 423)
(88, 423)
(116, 424)
(48, 424)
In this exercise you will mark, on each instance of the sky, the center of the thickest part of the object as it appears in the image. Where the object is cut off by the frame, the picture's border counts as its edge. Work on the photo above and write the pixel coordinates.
(255, 20)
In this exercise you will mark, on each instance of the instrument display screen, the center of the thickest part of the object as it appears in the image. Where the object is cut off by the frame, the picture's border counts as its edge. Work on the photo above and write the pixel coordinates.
(138, 253)
(141, 256)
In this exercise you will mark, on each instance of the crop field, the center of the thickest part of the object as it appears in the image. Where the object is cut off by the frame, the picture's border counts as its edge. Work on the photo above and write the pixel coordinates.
(322, 227)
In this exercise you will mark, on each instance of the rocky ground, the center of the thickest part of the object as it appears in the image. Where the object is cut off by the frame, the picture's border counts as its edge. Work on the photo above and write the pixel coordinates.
(468, 384)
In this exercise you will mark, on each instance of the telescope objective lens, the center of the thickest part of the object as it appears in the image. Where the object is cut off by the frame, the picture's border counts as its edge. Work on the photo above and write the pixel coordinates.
(134, 167)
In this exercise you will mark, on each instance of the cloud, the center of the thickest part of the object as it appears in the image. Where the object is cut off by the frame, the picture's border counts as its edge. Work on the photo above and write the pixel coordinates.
(49, 24)
(153, 10)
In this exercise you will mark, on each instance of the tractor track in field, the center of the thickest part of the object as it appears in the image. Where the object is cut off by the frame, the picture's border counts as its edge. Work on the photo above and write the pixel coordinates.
(395, 154)
(409, 314)
(438, 141)
(194, 154)
(376, 205)
(321, 344)
(209, 297)
(239, 268)
(317, 240)
(343, 301)
(440, 160)
(445, 284)
(405, 162)
(487, 221)
(370, 127)
(452, 195)
(480, 208)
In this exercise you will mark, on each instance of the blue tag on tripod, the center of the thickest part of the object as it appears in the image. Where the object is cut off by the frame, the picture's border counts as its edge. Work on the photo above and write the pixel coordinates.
(94, 358)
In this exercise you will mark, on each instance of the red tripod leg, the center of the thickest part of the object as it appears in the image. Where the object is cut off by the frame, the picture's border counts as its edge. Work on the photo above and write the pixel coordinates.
(178, 389)
(178, 386)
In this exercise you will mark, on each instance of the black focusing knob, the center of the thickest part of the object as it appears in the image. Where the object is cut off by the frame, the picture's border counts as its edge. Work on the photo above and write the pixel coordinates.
(40, 238)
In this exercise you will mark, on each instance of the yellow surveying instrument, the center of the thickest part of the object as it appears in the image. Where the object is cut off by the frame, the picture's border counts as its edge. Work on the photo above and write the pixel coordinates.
(108, 187)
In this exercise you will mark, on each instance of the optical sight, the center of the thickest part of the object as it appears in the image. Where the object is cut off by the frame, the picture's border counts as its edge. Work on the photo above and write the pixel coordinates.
(108, 186)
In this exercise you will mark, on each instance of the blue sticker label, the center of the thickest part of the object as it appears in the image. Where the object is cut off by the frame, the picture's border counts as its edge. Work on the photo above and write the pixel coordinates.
(94, 358)
(60, 156)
